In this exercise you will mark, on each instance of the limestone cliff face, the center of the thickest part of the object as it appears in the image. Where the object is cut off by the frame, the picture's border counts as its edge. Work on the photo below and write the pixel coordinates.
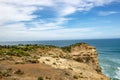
(79, 58)
(81, 52)
(85, 53)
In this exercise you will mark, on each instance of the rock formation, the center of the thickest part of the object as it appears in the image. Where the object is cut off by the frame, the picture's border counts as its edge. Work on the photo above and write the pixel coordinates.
(84, 53)
(75, 62)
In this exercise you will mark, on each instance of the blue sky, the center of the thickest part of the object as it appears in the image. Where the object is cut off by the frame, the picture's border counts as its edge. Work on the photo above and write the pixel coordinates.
(22, 20)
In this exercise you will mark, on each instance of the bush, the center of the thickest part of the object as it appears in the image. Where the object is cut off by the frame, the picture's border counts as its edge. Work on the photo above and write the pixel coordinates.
(75, 77)
(19, 72)
(40, 78)
(66, 49)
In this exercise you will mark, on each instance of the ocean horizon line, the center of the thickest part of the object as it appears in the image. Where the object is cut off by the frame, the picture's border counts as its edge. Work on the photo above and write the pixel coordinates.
(58, 40)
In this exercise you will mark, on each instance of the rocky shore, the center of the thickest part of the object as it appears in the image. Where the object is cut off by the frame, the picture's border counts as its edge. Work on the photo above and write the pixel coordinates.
(45, 62)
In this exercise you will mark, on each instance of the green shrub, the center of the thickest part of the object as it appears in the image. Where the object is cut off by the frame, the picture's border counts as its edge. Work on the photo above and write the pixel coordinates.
(66, 49)
(19, 72)
(40, 78)
(54, 63)
(67, 74)
(75, 77)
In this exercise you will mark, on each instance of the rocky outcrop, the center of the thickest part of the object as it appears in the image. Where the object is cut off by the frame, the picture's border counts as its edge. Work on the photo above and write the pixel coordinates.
(77, 70)
(66, 57)
(80, 52)
(84, 53)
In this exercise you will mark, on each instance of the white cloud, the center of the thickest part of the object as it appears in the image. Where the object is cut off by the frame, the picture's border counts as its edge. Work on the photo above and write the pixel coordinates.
(67, 10)
(37, 26)
(106, 13)
(12, 27)
(42, 27)
(29, 2)
(19, 32)
(9, 13)
(35, 34)
(67, 7)
(17, 12)
(20, 10)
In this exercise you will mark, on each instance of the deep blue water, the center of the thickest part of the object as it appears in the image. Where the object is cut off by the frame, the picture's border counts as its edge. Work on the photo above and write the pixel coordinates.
(108, 51)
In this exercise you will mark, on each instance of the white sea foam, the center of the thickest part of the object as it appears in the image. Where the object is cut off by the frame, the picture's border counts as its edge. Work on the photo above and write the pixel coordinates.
(116, 60)
(117, 73)
(105, 68)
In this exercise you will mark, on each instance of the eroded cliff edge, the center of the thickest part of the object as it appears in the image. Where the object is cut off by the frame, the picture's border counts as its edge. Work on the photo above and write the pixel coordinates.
(37, 62)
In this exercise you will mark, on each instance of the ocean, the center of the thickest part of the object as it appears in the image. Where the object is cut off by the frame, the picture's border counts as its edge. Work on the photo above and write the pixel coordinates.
(108, 52)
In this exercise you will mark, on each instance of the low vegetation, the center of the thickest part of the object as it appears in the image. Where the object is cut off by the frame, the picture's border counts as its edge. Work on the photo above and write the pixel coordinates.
(22, 50)
(19, 72)
(40, 78)
(75, 77)
(68, 48)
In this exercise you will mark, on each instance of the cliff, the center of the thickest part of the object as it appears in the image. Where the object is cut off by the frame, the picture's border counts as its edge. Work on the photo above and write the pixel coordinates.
(43, 62)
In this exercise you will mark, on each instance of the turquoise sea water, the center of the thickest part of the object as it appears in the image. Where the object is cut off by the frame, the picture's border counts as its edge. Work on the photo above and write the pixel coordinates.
(108, 51)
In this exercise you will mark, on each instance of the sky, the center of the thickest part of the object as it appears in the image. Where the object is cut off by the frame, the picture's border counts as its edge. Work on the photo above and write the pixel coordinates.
(25, 20)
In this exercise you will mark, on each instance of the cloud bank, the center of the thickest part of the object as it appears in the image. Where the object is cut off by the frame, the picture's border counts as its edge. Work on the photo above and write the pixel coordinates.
(19, 21)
